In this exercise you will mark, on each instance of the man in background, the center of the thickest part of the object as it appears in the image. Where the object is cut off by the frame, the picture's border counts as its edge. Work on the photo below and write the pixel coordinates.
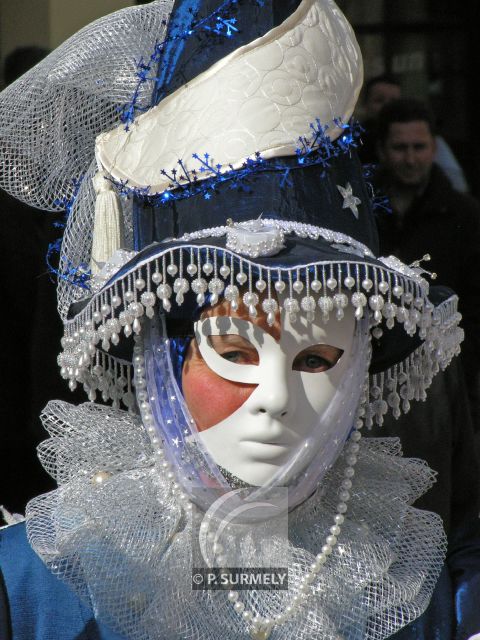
(430, 217)
(378, 92)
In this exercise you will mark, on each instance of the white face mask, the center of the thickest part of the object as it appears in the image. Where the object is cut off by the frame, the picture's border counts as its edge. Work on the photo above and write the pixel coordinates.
(275, 426)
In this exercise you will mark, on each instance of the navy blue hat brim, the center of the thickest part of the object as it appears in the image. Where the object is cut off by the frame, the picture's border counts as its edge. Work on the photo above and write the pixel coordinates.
(394, 345)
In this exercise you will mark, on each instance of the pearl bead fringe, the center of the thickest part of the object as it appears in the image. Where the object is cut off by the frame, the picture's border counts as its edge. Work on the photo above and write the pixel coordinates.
(387, 296)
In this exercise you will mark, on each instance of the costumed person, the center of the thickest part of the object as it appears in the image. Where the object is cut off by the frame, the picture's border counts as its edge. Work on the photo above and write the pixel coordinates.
(219, 286)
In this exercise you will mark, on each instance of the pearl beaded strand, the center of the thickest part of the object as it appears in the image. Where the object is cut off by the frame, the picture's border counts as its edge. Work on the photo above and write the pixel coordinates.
(149, 422)
(261, 628)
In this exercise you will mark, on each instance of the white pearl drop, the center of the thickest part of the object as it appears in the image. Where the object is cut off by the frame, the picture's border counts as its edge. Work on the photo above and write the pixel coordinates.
(239, 607)
(261, 285)
(297, 286)
(367, 284)
(140, 284)
(207, 268)
(224, 271)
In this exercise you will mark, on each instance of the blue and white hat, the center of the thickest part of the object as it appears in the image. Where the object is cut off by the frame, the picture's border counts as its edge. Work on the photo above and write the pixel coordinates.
(202, 154)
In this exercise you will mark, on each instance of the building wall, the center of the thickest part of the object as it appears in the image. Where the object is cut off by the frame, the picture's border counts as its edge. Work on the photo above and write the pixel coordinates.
(47, 23)
(68, 16)
(24, 22)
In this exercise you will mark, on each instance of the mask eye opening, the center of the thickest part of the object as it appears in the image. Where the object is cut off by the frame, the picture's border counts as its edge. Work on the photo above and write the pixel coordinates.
(317, 358)
(234, 348)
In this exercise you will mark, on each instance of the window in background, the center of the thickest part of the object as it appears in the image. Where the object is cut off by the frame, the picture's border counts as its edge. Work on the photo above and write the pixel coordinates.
(427, 44)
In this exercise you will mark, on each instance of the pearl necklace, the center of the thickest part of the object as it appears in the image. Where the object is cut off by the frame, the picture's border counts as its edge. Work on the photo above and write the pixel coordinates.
(259, 628)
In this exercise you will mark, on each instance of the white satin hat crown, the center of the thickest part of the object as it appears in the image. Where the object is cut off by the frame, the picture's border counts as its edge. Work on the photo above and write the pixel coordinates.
(260, 98)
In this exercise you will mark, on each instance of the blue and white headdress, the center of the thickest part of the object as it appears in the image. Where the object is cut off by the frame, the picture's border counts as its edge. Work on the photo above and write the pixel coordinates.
(210, 156)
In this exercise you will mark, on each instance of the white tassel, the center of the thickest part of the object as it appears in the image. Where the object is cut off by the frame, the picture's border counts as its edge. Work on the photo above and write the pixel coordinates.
(108, 230)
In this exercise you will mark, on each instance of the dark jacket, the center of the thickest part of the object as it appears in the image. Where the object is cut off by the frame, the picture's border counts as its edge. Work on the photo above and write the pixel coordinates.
(442, 222)
(439, 431)
(445, 224)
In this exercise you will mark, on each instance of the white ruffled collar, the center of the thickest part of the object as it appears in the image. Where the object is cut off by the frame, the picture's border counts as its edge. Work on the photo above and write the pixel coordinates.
(119, 537)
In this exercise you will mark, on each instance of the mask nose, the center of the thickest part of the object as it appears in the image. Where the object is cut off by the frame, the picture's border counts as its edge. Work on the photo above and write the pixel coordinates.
(273, 395)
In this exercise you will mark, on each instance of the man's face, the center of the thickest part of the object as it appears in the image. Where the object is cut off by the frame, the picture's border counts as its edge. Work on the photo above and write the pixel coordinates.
(379, 95)
(408, 152)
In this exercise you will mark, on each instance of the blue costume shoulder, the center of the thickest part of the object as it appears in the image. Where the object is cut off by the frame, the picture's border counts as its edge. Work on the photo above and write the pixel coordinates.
(34, 604)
